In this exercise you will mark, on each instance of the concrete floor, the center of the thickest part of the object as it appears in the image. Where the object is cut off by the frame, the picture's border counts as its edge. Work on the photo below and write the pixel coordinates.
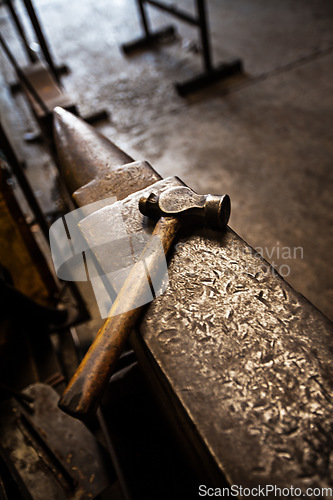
(265, 138)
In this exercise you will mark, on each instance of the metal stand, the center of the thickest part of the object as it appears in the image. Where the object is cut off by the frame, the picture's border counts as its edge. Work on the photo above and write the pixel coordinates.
(41, 89)
(55, 70)
(210, 74)
(44, 94)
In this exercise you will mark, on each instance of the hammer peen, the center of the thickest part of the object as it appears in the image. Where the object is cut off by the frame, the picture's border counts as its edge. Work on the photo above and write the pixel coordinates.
(172, 207)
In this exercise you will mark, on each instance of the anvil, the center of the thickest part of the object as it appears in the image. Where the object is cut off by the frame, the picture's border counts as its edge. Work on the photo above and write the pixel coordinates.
(243, 361)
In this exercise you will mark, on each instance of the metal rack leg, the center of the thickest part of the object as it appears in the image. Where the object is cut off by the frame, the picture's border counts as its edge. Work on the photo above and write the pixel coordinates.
(210, 74)
(41, 39)
(201, 9)
(55, 70)
(209, 77)
(30, 53)
(144, 19)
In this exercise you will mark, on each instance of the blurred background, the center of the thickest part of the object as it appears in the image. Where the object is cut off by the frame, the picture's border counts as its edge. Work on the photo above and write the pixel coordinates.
(264, 137)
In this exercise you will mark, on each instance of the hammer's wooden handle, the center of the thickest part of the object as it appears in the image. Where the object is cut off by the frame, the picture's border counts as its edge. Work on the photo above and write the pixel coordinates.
(82, 393)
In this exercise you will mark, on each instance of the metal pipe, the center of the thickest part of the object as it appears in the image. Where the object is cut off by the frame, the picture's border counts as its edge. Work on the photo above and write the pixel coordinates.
(184, 16)
(37, 257)
(22, 77)
(30, 53)
(144, 19)
(41, 39)
(204, 34)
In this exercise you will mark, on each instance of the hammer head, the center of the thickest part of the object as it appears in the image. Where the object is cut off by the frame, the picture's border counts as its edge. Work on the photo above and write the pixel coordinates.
(182, 201)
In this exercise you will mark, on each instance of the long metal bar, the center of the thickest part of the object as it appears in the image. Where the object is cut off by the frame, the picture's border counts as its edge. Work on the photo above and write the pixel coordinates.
(144, 19)
(201, 8)
(32, 202)
(38, 214)
(23, 182)
(175, 11)
(21, 76)
(41, 38)
(35, 252)
(210, 74)
(30, 53)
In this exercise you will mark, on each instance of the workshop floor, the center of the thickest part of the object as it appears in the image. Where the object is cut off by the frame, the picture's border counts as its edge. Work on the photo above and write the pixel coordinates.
(264, 138)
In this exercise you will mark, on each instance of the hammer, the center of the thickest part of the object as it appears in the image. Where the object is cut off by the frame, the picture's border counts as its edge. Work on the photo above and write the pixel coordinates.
(172, 208)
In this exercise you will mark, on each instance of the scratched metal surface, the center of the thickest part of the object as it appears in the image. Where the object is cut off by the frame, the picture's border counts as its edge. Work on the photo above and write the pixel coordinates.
(248, 359)
(93, 167)
(135, 175)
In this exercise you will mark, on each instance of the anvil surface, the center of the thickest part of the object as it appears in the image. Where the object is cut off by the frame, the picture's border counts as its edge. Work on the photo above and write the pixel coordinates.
(247, 358)
(243, 362)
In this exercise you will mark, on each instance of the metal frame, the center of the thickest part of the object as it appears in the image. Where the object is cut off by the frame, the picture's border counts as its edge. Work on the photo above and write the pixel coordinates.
(55, 70)
(40, 219)
(45, 121)
(210, 74)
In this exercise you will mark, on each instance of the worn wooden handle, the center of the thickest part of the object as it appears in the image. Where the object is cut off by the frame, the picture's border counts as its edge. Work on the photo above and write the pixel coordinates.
(82, 394)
